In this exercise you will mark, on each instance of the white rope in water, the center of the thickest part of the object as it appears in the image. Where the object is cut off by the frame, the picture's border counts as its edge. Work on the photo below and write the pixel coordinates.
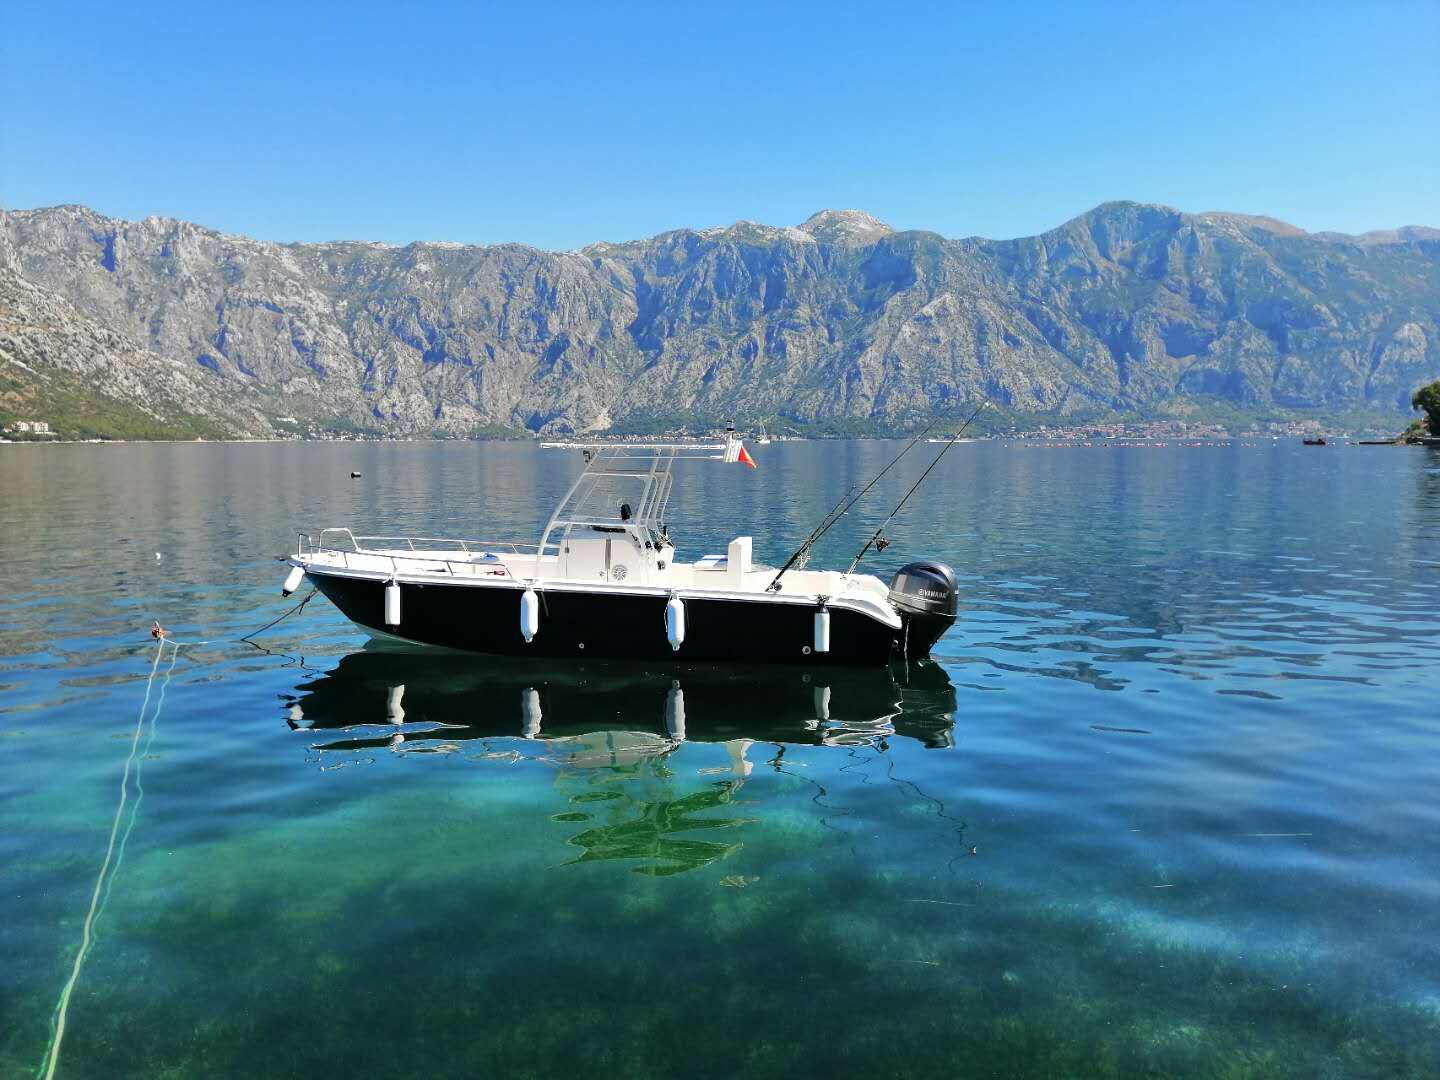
(139, 787)
(52, 1053)
(101, 896)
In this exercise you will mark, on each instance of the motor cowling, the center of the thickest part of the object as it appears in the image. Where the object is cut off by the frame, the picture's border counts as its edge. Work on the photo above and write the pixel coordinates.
(924, 588)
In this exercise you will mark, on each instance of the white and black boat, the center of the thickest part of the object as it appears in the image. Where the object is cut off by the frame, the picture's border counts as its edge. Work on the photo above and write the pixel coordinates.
(604, 581)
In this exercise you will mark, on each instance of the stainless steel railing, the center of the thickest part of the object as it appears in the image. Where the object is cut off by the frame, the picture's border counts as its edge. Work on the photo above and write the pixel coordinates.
(328, 539)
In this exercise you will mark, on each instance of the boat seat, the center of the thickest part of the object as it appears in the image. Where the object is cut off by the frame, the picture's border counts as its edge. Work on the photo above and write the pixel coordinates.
(738, 562)
(735, 563)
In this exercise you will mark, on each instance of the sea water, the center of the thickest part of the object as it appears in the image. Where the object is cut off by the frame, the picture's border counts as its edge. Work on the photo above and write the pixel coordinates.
(1166, 805)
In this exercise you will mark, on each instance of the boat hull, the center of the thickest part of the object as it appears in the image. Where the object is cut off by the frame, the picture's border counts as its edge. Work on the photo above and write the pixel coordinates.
(581, 624)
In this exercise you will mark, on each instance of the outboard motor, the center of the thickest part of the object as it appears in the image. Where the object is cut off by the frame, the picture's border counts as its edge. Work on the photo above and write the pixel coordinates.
(924, 588)
(925, 595)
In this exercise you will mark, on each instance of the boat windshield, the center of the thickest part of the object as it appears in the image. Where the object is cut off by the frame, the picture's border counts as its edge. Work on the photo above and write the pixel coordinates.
(626, 487)
(609, 499)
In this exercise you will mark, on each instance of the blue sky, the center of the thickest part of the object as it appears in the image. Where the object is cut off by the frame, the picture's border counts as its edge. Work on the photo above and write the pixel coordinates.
(557, 125)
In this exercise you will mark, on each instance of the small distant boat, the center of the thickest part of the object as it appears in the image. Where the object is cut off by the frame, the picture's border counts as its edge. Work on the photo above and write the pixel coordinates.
(945, 439)
(763, 439)
(1315, 442)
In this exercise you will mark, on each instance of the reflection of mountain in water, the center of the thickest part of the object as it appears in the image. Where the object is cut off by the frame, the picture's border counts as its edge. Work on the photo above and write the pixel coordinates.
(608, 729)
(608, 713)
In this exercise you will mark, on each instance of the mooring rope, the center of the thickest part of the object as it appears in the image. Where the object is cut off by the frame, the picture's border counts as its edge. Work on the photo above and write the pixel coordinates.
(253, 633)
(52, 1052)
(139, 786)
(105, 880)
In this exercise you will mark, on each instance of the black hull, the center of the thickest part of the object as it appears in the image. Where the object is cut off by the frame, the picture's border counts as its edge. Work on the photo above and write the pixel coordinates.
(607, 625)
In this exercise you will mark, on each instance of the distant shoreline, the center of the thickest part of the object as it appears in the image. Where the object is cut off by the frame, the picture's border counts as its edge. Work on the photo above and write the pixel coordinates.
(172, 442)
(1027, 437)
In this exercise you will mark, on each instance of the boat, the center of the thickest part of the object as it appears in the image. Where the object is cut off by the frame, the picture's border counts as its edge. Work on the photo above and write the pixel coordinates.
(1315, 442)
(949, 441)
(763, 439)
(604, 580)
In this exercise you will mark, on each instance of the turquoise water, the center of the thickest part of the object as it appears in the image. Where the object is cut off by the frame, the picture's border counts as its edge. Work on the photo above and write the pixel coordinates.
(1167, 805)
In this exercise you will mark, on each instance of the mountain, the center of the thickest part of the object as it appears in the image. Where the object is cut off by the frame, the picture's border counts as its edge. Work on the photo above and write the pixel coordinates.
(90, 381)
(1130, 308)
(845, 227)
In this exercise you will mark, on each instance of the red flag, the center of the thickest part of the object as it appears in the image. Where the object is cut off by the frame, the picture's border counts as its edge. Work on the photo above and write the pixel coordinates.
(744, 457)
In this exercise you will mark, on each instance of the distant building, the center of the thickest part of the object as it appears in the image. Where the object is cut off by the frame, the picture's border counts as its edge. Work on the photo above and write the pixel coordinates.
(28, 427)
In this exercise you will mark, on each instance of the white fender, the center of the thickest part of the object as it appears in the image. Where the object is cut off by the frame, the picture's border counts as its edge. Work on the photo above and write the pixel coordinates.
(821, 696)
(675, 622)
(529, 614)
(675, 712)
(530, 715)
(392, 604)
(395, 714)
(292, 580)
(740, 765)
(822, 630)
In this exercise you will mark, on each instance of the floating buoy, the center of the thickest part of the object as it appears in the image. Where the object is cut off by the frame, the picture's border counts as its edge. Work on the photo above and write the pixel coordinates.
(822, 630)
(292, 580)
(675, 622)
(529, 614)
(392, 604)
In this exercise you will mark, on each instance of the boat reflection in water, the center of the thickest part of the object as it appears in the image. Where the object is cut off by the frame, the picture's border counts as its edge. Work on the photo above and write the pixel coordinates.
(407, 700)
(609, 730)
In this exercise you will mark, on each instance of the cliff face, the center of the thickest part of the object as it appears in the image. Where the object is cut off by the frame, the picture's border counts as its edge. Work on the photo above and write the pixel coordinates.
(1129, 307)
(87, 380)
(1248, 310)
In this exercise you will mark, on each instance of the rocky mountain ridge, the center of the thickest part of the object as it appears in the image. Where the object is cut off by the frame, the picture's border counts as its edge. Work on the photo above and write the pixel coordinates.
(57, 363)
(1130, 308)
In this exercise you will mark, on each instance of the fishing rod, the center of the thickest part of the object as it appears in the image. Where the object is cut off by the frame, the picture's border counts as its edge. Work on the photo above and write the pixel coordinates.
(803, 551)
(843, 507)
(879, 540)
